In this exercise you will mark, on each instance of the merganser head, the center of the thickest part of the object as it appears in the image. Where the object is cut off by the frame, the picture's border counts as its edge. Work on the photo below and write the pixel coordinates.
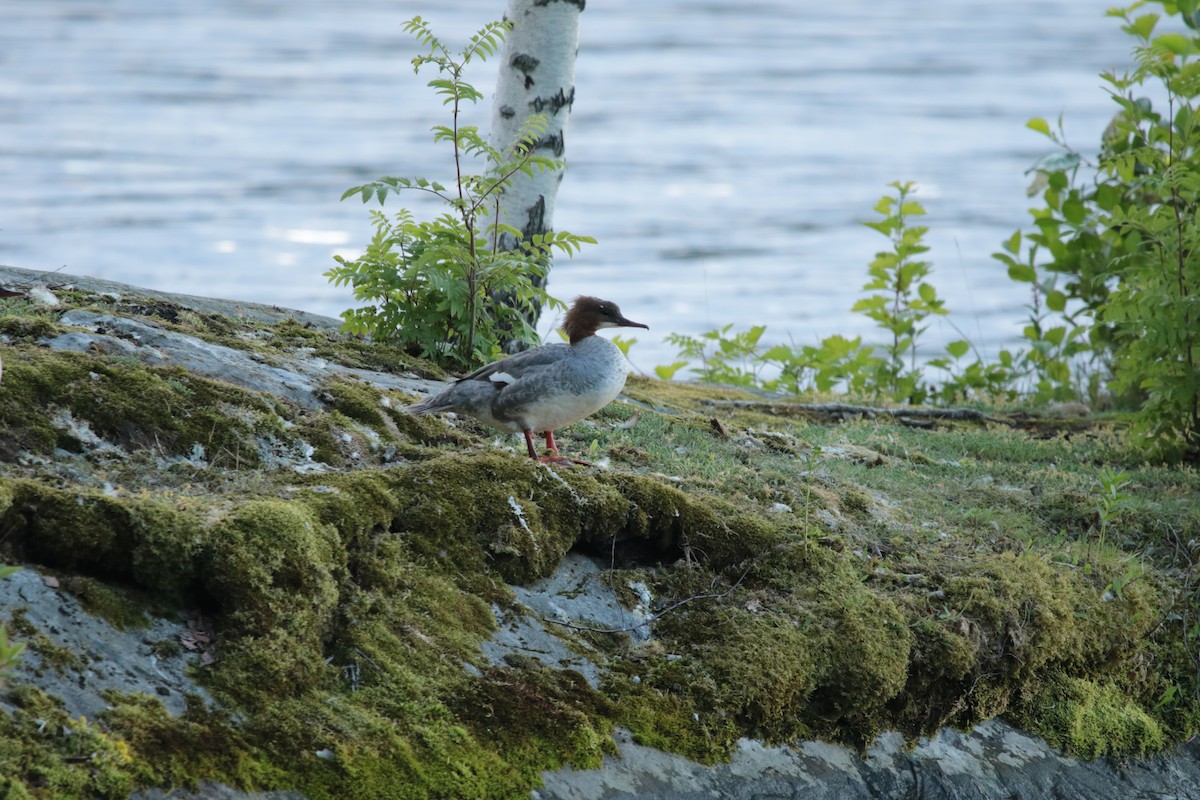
(590, 314)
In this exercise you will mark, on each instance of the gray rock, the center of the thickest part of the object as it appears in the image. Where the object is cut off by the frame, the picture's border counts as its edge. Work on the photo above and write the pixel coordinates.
(577, 594)
(993, 762)
(294, 379)
(19, 279)
(539, 626)
(212, 791)
(108, 658)
(157, 346)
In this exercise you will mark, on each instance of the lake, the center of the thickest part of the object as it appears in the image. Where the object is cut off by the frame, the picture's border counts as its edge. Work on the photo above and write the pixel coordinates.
(723, 154)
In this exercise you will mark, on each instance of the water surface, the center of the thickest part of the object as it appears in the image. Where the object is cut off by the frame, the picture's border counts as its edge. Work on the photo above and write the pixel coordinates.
(724, 154)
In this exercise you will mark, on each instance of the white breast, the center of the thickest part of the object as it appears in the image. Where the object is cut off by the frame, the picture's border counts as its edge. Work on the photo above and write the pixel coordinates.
(597, 377)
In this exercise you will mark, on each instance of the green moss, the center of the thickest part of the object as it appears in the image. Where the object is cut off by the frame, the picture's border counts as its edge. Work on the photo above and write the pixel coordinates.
(202, 744)
(855, 501)
(348, 351)
(762, 668)
(475, 513)
(350, 606)
(131, 406)
(147, 541)
(46, 754)
(543, 719)
(51, 656)
(1092, 720)
(866, 644)
(823, 656)
(318, 431)
(166, 648)
(104, 601)
(27, 327)
(60, 659)
(940, 688)
(273, 570)
(358, 402)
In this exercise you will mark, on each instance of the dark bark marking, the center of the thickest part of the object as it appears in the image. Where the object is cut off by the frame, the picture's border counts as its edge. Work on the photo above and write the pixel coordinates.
(580, 3)
(535, 224)
(536, 221)
(556, 143)
(507, 112)
(524, 62)
(555, 103)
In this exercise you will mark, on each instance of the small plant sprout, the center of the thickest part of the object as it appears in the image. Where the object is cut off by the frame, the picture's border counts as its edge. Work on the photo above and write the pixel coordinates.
(903, 300)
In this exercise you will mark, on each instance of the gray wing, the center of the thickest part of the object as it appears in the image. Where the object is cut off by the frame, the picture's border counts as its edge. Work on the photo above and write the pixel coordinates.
(480, 389)
(529, 360)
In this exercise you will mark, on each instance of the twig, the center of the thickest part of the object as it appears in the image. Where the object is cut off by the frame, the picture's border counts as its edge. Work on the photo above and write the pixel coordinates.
(31, 281)
(842, 409)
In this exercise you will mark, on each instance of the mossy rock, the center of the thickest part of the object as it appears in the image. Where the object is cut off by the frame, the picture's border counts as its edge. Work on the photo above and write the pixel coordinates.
(49, 399)
(1092, 720)
(150, 542)
(794, 593)
(273, 570)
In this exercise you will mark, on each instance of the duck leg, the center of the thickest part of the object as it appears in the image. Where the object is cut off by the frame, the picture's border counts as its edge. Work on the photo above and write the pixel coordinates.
(529, 443)
(556, 457)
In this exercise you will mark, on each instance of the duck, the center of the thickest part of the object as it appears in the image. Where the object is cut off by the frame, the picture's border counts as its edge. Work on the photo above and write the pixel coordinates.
(541, 390)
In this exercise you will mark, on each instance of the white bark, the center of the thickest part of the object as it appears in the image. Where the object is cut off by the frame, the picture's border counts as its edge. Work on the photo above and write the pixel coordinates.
(537, 76)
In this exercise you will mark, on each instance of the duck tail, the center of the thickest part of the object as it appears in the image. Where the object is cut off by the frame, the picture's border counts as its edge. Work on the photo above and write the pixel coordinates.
(430, 405)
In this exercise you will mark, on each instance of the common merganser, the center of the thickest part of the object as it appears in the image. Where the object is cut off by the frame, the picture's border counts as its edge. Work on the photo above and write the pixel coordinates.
(548, 387)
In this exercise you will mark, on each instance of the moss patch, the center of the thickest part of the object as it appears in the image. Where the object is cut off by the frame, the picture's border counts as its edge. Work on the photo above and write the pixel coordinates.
(1091, 720)
(64, 400)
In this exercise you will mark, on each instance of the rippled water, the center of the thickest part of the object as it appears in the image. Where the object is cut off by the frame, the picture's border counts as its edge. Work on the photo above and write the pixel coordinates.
(724, 154)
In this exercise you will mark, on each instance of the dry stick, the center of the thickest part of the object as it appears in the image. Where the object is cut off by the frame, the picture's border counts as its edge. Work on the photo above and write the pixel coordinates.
(844, 408)
(4, 292)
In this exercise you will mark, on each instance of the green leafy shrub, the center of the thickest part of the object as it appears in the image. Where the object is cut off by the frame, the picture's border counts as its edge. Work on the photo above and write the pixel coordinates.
(1056, 336)
(1125, 243)
(444, 287)
(724, 357)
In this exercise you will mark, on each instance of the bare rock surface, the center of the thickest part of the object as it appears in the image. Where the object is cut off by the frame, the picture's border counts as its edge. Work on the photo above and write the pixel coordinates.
(993, 762)
(18, 279)
(100, 656)
(574, 597)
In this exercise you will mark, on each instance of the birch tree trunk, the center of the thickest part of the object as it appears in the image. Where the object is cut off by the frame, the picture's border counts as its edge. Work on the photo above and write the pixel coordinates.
(537, 76)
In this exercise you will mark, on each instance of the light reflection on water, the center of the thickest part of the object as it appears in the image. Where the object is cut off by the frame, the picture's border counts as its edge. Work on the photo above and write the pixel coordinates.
(723, 154)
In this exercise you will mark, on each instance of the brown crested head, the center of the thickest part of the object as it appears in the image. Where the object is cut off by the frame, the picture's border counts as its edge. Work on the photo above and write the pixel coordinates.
(589, 314)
